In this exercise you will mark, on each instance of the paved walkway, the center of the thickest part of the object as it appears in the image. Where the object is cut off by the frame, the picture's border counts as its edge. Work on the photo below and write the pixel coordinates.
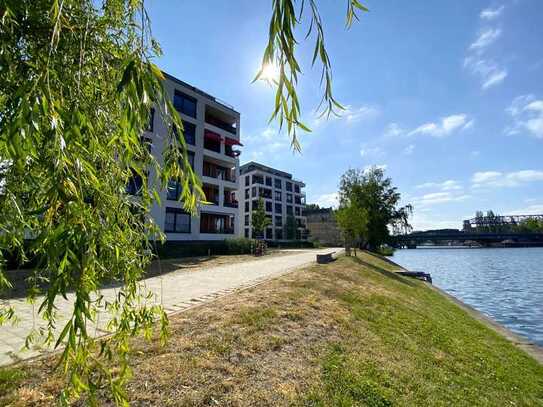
(176, 291)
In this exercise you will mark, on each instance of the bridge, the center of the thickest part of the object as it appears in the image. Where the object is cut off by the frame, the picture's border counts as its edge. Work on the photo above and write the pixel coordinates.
(411, 240)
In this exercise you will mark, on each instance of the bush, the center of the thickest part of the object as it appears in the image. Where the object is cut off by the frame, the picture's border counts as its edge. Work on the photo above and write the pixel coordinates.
(316, 243)
(386, 251)
(238, 245)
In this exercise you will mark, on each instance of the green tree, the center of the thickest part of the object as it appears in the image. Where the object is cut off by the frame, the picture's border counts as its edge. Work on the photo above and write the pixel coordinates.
(291, 228)
(259, 219)
(352, 219)
(373, 192)
(76, 93)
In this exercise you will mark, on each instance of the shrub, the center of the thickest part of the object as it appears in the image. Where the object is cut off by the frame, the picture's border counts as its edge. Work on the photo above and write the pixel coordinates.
(238, 245)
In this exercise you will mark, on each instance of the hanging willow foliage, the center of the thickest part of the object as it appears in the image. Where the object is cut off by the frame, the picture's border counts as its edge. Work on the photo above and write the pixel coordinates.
(76, 94)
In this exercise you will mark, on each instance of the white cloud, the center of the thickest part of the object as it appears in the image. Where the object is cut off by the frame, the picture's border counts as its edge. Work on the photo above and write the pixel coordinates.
(475, 154)
(438, 198)
(494, 179)
(446, 127)
(371, 151)
(449, 185)
(350, 115)
(491, 14)
(367, 168)
(486, 38)
(490, 73)
(535, 209)
(328, 200)
(527, 114)
(409, 149)
(393, 130)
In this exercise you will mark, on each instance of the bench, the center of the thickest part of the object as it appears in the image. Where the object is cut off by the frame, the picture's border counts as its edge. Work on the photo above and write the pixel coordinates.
(325, 258)
(417, 274)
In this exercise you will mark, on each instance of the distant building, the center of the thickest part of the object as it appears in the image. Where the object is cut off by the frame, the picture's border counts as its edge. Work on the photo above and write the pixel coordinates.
(322, 226)
(283, 197)
(211, 130)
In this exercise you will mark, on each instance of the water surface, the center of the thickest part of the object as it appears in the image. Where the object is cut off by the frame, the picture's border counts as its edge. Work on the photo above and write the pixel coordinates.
(505, 284)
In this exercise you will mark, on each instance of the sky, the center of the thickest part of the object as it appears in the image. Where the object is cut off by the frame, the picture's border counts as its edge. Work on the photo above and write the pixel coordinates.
(446, 96)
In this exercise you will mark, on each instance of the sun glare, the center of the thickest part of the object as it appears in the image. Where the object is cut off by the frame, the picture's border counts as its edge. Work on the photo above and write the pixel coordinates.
(270, 73)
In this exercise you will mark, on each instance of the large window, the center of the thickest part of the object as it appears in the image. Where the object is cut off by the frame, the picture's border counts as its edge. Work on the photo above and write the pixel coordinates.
(278, 221)
(135, 184)
(254, 192)
(289, 198)
(268, 206)
(189, 131)
(247, 180)
(289, 186)
(246, 220)
(269, 181)
(174, 191)
(297, 188)
(247, 193)
(246, 206)
(258, 179)
(277, 182)
(184, 103)
(278, 208)
(177, 221)
(297, 211)
(289, 210)
(278, 196)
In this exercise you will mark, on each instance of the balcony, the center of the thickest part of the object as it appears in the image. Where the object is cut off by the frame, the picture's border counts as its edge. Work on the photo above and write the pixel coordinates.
(212, 194)
(220, 119)
(216, 224)
(230, 200)
(216, 171)
(212, 141)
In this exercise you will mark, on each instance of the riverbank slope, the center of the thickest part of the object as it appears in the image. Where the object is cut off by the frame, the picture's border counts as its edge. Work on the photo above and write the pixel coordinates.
(347, 333)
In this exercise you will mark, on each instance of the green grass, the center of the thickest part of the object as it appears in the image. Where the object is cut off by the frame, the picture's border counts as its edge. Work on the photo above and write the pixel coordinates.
(406, 344)
(349, 333)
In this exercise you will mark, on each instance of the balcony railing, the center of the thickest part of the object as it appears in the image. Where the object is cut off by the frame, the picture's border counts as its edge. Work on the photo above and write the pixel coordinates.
(220, 124)
(232, 204)
(215, 171)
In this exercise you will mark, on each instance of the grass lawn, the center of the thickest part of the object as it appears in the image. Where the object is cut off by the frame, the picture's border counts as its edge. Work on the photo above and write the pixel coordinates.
(344, 334)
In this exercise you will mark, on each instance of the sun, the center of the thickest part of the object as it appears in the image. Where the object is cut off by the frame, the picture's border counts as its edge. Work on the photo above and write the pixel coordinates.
(269, 73)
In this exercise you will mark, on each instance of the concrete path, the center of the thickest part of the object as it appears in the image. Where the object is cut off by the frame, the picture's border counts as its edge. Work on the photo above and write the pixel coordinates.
(176, 291)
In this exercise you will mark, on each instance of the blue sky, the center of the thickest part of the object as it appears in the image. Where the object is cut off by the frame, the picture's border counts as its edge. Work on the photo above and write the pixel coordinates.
(448, 98)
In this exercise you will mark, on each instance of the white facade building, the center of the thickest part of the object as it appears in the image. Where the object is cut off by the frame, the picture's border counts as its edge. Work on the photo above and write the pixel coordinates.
(283, 198)
(211, 130)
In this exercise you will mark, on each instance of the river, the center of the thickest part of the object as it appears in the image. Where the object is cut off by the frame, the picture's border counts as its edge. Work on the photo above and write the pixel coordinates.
(505, 284)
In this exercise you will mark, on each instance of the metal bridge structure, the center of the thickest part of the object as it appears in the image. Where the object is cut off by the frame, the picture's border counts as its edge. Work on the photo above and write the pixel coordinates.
(510, 239)
(497, 222)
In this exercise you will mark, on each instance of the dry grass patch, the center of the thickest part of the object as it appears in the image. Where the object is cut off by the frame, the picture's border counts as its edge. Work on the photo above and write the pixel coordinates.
(347, 333)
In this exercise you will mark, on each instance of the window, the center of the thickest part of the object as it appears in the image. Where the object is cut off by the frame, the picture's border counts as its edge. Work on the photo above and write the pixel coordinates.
(289, 198)
(151, 125)
(184, 103)
(177, 221)
(247, 233)
(247, 180)
(269, 206)
(278, 234)
(258, 179)
(254, 192)
(289, 210)
(269, 181)
(289, 186)
(298, 200)
(297, 188)
(278, 183)
(278, 196)
(254, 205)
(278, 221)
(247, 193)
(269, 233)
(278, 208)
(246, 220)
(189, 131)
(246, 206)
(174, 191)
(135, 184)
(297, 211)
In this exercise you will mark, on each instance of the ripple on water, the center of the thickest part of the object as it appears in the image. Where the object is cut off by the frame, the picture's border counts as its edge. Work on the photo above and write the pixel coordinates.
(505, 284)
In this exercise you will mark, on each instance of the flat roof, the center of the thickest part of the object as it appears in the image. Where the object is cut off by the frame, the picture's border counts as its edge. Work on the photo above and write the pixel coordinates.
(200, 92)
(252, 166)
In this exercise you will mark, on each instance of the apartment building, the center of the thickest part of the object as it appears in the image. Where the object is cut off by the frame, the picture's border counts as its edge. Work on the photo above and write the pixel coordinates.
(211, 130)
(283, 198)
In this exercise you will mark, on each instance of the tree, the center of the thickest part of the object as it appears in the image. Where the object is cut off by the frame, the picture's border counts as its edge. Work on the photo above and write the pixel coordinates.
(291, 228)
(352, 219)
(375, 194)
(77, 89)
(259, 219)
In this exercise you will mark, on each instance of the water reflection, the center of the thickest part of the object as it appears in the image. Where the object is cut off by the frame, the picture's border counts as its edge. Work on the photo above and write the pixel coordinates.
(505, 284)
